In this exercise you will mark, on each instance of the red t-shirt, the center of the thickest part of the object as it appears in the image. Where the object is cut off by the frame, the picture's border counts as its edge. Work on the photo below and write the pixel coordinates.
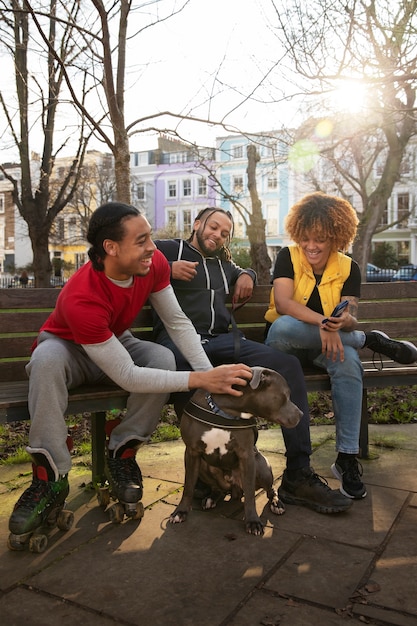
(90, 307)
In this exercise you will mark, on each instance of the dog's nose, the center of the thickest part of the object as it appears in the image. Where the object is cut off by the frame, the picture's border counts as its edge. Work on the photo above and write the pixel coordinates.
(290, 415)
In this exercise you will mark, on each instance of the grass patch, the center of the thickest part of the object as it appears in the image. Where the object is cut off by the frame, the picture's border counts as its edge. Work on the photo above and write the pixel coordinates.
(19, 456)
(393, 405)
(319, 442)
(83, 448)
(388, 440)
(166, 432)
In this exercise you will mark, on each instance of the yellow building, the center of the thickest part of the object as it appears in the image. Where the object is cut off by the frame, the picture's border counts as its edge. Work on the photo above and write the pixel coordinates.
(68, 244)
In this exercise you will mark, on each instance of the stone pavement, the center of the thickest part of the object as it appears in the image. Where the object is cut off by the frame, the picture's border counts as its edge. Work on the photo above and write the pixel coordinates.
(357, 567)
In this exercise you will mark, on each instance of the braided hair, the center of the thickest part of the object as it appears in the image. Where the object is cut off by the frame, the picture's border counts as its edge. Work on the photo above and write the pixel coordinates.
(107, 222)
(224, 253)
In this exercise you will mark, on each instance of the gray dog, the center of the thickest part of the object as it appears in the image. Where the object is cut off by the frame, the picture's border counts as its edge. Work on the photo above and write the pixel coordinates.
(220, 434)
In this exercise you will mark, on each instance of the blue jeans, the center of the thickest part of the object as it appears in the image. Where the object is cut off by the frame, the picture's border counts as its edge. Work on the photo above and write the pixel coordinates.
(289, 335)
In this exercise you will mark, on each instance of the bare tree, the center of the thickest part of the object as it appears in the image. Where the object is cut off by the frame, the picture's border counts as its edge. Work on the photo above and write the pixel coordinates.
(105, 56)
(256, 228)
(373, 41)
(91, 66)
(96, 184)
(31, 194)
(250, 212)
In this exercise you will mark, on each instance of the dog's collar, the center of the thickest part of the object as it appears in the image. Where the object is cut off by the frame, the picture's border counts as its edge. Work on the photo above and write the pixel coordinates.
(215, 416)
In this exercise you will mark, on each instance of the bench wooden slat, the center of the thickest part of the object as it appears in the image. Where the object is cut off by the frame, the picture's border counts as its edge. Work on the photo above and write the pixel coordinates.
(85, 399)
(12, 371)
(22, 321)
(390, 307)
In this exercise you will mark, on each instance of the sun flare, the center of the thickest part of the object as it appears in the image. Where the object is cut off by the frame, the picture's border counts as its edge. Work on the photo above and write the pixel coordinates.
(349, 95)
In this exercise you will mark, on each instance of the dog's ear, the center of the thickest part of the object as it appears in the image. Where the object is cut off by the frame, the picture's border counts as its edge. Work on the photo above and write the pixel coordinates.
(256, 377)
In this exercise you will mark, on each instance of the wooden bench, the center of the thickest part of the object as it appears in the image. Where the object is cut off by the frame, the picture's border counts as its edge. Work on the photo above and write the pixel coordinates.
(391, 307)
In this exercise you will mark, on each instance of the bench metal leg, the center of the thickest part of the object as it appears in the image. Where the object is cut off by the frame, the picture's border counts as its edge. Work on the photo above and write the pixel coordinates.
(363, 434)
(98, 445)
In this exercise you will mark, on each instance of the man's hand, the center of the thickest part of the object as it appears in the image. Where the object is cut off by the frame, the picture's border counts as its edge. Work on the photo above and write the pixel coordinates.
(243, 288)
(220, 379)
(184, 270)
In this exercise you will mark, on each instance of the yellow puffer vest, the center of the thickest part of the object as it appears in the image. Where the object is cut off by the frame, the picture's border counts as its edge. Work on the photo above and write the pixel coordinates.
(330, 289)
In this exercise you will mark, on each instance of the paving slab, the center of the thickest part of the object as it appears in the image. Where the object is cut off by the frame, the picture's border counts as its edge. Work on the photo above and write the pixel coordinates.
(399, 555)
(191, 573)
(274, 609)
(26, 605)
(356, 567)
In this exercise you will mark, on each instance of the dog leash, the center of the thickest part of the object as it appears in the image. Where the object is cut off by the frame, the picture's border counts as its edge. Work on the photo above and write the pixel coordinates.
(236, 333)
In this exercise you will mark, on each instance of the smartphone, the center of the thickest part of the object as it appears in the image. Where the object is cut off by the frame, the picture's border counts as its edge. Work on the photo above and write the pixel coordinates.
(338, 310)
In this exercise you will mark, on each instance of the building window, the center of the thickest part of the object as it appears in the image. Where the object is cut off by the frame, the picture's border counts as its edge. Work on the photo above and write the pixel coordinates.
(272, 213)
(140, 158)
(237, 184)
(403, 209)
(405, 169)
(272, 149)
(140, 191)
(172, 189)
(384, 217)
(272, 182)
(186, 187)
(1, 203)
(172, 220)
(72, 228)
(79, 259)
(202, 186)
(186, 221)
(60, 230)
(237, 152)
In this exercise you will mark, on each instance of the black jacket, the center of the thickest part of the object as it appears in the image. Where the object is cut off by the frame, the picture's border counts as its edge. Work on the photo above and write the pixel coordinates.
(203, 299)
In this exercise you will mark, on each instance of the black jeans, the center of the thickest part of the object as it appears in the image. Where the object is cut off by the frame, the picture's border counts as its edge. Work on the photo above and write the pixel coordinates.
(222, 349)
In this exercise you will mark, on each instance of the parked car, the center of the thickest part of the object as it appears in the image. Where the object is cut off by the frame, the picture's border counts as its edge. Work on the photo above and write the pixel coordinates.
(376, 274)
(407, 272)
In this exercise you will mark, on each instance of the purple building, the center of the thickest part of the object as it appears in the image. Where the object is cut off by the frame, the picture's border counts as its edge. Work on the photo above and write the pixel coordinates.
(171, 184)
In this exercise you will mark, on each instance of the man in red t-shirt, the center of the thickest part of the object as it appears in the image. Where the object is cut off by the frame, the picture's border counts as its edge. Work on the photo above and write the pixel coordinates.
(86, 339)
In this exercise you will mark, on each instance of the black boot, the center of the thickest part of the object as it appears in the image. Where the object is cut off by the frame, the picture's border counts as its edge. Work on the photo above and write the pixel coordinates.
(306, 488)
(47, 491)
(400, 351)
(123, 473)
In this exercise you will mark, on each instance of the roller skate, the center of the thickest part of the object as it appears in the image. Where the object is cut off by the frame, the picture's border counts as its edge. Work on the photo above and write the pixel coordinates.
(41, 507)
(123, 483)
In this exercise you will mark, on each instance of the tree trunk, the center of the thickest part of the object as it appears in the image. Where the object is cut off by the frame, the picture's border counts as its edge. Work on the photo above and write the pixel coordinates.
(122, 166)
(261, 261)
(41, 262)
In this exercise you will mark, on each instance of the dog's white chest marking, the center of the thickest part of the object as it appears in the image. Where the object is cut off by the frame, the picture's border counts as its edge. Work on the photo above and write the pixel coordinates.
(216, 438)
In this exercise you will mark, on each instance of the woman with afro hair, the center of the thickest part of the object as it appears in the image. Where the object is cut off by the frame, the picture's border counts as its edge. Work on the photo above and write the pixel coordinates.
(311, 277)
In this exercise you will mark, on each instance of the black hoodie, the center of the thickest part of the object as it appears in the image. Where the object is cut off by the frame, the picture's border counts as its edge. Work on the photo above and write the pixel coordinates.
(203, 299)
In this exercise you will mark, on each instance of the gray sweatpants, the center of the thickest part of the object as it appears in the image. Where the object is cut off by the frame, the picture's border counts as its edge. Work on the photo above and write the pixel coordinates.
(57, 365)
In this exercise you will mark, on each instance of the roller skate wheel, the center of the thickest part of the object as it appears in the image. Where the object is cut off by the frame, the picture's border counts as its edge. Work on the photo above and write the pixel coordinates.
(139, 511)
(103, 497)
(15, 542)
(116, 513)
(65, 520)
(38, 543)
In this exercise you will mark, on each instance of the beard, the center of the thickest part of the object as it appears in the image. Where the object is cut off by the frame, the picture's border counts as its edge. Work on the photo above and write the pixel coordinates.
(201, 244)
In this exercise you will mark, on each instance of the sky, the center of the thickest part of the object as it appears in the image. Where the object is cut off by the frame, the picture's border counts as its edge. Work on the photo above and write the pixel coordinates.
(202, 62)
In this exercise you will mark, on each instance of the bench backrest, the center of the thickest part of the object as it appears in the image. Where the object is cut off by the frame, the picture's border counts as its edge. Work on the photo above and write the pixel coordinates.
(391, 307)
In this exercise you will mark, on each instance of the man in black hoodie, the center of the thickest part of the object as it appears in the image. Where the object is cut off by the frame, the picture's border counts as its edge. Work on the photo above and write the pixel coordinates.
(203, 275)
